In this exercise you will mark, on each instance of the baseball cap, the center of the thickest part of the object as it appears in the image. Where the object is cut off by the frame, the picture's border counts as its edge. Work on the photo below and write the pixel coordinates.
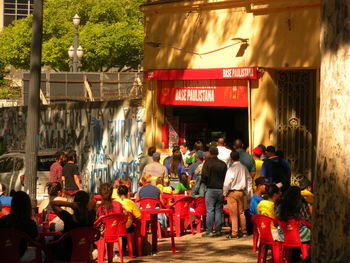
(261, 181)
(258, 150)
(263, 147)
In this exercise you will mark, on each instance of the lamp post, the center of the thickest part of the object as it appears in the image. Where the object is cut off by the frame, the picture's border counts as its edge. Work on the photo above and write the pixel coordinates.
(75, 52)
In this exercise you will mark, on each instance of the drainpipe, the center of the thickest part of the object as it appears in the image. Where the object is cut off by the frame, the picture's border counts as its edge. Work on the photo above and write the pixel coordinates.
(250, 119)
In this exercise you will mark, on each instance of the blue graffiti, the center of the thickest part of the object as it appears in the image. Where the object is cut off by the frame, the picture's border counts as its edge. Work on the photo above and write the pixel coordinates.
(117, 170)
(97, 135)
(121, 139)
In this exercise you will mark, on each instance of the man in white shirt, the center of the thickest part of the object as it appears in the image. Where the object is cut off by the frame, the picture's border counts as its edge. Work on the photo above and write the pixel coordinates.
(238, 182)
(224, 153)
(184, 152)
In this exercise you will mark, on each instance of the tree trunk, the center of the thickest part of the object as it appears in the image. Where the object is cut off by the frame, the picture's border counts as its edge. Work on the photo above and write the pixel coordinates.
(331, 219)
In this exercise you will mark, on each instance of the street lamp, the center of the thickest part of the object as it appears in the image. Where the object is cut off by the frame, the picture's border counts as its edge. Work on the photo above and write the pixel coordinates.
(75, 52)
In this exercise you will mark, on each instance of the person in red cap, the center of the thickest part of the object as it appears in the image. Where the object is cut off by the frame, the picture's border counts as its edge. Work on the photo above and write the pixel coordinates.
(257, 152)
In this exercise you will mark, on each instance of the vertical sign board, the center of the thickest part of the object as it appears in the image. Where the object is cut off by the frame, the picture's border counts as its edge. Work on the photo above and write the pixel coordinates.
(213, 92)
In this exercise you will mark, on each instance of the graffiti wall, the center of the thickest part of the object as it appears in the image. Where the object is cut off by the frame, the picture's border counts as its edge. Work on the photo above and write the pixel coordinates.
(108, 137)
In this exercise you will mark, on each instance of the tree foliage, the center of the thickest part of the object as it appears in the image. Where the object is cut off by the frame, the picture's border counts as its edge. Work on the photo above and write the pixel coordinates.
(110, 32)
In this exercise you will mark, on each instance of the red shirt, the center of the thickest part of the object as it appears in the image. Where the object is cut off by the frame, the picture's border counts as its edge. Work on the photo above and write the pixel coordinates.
(56, 172)
(116, 208)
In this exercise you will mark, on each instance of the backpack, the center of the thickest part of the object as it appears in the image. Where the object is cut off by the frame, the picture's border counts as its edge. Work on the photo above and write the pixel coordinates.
(276, 172)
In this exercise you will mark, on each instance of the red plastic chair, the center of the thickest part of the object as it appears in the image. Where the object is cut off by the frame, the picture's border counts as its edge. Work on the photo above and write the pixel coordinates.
(9, 246)
(200, 212)
(291, 236)
(255, 237)
(263, 224)
(97, 198)
(38, 218)
(5, 210)
(149, 203)
(182, 214)
(167, 198)
(115, 227)
(82, 239)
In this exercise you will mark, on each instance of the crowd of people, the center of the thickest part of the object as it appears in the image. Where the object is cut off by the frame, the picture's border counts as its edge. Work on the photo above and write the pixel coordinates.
(217, 174)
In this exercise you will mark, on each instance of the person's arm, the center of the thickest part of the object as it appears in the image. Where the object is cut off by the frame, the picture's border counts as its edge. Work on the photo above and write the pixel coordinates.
(77, 181)
(162, 201)
(227, 182)
(252, 174)
(205, 173)
(137, 196)
(253, 167)
(165, 173)
(177, 189)
(57, 205)
(249, 183)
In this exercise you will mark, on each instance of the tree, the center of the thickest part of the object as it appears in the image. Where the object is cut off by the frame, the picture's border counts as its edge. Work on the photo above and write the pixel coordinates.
(331, 229)
(111, 33)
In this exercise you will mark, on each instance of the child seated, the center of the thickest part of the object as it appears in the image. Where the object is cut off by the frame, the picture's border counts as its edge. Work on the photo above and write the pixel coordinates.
(127, 181)
(183, 184)
(306, 190)
(134, 213)
(162, 188)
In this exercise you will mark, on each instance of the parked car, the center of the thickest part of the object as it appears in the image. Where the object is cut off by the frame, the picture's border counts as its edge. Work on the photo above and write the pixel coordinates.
(12, 171)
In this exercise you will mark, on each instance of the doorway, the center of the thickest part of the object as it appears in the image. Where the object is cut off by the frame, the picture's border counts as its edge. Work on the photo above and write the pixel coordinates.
(210, 123)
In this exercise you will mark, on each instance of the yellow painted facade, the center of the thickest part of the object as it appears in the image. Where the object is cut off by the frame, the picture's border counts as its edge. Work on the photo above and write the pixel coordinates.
(269, 34)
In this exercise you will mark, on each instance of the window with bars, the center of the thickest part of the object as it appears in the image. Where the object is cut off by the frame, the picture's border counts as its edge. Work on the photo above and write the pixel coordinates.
(16, 9)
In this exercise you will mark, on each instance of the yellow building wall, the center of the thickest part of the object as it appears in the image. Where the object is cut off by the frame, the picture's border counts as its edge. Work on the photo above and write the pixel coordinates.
(1, 14)
(263, 105)
(208, 34)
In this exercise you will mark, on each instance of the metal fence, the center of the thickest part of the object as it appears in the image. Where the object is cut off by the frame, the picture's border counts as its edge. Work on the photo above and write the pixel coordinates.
(67, 87)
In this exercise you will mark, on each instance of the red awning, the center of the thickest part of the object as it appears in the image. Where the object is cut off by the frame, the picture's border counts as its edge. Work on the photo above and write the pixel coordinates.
(203, 74)
(215, 93)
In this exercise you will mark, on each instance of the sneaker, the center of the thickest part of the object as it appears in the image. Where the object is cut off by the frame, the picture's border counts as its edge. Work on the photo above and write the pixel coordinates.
(207, 234)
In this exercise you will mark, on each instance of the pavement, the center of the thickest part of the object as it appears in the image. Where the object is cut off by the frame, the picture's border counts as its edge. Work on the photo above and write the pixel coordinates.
(195, 248)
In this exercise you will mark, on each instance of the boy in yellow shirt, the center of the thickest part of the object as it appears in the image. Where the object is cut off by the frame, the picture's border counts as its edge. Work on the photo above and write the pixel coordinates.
(129, 206)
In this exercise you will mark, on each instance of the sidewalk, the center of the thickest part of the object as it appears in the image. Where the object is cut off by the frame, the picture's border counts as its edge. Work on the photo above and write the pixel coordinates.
(198, 249)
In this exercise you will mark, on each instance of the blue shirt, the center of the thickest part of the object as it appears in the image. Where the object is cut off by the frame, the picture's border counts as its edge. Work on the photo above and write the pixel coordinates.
(193, 168)
(254, 203)
(5, 200)
(149, 191)
(266, 166)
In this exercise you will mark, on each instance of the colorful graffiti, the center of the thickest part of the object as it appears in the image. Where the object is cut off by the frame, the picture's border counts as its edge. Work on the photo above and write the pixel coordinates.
(108, 138)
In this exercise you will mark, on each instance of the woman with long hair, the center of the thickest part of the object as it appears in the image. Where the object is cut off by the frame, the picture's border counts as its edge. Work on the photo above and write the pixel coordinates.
(183, 184)
(175, 168)
(20, 218)
(107, 204)
(293, 206)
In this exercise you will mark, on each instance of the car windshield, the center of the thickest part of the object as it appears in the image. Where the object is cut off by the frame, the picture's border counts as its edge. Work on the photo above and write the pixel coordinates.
(44, 162)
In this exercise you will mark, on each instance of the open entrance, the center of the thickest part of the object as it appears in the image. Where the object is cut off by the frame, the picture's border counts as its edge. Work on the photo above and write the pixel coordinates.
(203, 104)
(192, 123)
